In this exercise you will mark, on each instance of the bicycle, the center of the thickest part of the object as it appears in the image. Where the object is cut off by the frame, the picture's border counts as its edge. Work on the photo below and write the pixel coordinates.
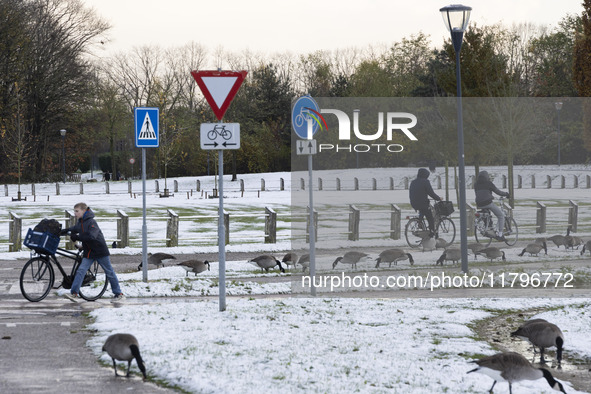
(38, 275)
(221, 131)
(417, 229)
(485, 226)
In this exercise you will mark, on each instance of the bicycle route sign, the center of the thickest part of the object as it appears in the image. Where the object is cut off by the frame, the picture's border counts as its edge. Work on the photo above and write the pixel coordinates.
(220, 136)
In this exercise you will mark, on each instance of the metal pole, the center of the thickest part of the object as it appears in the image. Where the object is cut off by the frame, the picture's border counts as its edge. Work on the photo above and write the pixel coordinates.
(222, 234)
(144, 225)
(64, 156)
(312, 230)
(558, 137)
(457, 37)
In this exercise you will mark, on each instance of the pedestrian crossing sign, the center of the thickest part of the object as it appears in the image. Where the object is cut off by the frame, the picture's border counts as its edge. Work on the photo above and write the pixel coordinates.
(146, 128)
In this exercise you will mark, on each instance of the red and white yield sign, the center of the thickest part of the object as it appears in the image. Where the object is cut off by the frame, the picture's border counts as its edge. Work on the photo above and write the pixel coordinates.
(219, 88)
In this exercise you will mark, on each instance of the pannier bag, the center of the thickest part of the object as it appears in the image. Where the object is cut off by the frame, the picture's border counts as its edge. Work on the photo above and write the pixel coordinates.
(51, 226)
(444, 208)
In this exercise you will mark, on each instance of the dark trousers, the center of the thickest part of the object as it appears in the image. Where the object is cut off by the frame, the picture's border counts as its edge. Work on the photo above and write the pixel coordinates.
(429, 216)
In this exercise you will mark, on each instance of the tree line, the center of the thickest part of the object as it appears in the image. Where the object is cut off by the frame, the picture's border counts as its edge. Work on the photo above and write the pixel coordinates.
(54, 78)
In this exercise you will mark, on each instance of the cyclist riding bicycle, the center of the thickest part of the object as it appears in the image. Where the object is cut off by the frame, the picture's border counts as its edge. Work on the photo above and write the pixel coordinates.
(484, 189)
(419, 192)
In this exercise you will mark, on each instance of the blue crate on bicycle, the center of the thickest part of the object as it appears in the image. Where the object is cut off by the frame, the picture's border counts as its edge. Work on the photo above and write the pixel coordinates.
(41, 242)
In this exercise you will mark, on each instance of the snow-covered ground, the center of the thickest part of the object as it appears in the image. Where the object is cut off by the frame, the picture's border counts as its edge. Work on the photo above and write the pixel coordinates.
(304, 344)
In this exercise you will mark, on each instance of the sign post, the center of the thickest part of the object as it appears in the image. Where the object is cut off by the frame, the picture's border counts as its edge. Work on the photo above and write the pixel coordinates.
(305, 128)
(219, 88)
(146, 136)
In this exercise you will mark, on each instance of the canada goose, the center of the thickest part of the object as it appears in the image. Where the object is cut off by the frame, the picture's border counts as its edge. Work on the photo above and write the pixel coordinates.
(534, 248)
(124, 347)
(542, 334)
(195, 266)
(290, 259)
(572, 240)
(530, 321)
(157, 259)
(586, 246)
(559, 240)
(451, 254)
(540, 240)
(304, 261)
(393, 256)
(513, 367)
(440, 243)
(492, 253)
(349, 258)
(428, 244)
(265, 262)
(475, 247)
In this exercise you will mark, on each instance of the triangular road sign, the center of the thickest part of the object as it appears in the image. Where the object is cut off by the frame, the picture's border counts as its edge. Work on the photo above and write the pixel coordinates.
(219, 88)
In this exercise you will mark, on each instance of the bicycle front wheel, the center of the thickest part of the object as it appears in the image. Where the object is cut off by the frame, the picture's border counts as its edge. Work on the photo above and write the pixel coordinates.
(446, 230)
(414, 232)
(94, 283)
(510, 231)
(36, 279)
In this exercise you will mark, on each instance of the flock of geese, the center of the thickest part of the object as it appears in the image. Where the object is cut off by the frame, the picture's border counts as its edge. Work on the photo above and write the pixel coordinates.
(513, 367)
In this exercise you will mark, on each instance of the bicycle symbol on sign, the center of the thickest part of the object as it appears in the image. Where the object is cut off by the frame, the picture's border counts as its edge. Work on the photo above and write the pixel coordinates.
(221, 131)
(302, 117)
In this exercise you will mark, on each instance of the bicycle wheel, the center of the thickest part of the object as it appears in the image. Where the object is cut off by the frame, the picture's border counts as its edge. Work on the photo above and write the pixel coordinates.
(414, 231)
(36, 279)
(226, 134)
(510, 231)
(446, 230)
(480, 228)
(94, 283)
(211, 134)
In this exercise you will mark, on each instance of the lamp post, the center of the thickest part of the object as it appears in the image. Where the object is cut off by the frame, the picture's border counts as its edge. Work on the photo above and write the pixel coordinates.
(455, 18)
(558, 106)
(63, 133)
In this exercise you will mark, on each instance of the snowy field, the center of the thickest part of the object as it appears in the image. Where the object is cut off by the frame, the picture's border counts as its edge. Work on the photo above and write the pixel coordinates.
(331, 345)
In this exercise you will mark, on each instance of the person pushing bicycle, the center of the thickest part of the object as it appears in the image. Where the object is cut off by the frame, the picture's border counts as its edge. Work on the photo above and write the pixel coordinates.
(419, 192)
(94, 248)
(484, 188)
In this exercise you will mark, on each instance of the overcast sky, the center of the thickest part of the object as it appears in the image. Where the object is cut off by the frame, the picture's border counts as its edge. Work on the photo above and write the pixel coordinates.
(301, 26)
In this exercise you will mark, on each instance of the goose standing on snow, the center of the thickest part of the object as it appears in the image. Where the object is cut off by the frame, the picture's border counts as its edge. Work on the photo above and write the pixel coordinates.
(475, 247)
(349, 258)
(290, 259)
(542, 334)
(586, 246)
(534, 248)
(492, 253)
(124, 347)
(157, 259)
(513, 367)
(452, 254)
(196, 266)
(559, 240)
(572, 240)
(304, 261)
(393, 256)
(265, 262)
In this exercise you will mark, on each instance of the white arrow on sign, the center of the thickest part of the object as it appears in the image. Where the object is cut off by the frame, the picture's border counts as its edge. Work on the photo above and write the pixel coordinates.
(306, 147)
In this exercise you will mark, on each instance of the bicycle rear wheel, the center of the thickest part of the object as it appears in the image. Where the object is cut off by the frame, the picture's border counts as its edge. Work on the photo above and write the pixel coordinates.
(94, 283)
(446, 230)
(480, 228)
(415, 231)
(36, 279)
(510, 231)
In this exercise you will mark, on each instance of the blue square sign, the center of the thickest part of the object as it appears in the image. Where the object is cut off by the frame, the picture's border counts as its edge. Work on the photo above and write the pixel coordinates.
(146, 128)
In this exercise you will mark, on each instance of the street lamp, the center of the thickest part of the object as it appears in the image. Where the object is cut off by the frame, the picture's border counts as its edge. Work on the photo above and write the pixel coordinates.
(558, 106)
(455, 18)
(63, 133)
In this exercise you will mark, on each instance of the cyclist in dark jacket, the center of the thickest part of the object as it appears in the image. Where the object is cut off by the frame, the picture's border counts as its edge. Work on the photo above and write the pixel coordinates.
(484, 190)
(419, 191)
(94, 248)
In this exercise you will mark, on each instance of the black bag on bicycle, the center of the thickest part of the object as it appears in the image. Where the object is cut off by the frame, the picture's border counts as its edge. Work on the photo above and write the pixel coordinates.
(51, 226)
(444, 208)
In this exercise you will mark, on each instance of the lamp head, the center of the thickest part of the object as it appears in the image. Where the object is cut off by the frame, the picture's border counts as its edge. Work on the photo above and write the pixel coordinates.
(456, 17)
(63, 132)
(558, 105)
